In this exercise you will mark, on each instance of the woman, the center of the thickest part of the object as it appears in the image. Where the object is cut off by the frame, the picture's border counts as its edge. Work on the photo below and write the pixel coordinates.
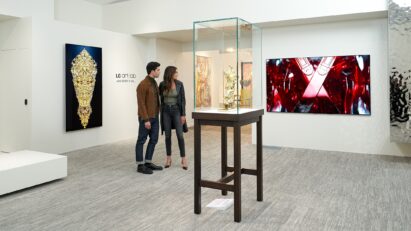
(173, 112)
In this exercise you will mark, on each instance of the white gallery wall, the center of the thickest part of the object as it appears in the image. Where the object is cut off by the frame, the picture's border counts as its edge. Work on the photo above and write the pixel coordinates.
(122, 54)
(127, 54)
(15, 82)
(359, 134)
(79, 12)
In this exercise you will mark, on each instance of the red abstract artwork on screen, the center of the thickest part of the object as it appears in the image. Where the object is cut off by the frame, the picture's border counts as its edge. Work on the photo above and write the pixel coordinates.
(331, 85)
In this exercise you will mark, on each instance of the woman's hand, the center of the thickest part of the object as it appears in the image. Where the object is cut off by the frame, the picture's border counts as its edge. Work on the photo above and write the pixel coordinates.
(182, 120)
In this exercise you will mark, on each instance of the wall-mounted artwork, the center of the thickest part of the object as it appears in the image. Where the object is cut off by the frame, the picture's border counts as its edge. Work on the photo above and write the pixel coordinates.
(399, 37)
(203, 80)
(230, 88)
(330, 85)
(83, 87)
(246, 84)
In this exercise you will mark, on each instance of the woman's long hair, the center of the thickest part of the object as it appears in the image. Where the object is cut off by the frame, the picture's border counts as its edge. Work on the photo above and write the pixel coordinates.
(168, 77)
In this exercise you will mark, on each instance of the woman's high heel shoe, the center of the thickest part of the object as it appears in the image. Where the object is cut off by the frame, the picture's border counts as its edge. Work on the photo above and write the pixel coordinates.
(184, 166)
(168, 164)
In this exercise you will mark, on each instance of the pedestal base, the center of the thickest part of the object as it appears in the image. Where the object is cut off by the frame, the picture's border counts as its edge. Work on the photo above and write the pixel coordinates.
(224, 121)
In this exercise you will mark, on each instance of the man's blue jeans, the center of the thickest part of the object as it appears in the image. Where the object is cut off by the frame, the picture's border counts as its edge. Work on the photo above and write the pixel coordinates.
(143, 132)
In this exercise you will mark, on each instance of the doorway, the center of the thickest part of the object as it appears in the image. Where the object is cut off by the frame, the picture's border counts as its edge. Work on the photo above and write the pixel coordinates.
(15, 84)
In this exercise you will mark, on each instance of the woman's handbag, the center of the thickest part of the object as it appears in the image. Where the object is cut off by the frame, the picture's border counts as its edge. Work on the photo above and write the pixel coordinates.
(185, 128)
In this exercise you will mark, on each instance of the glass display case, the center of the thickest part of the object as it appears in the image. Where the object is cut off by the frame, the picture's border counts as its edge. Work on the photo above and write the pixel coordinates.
(227, 66)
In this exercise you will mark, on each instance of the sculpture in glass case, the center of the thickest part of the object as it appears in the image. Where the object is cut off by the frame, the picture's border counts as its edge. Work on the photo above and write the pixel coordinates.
(399, 35)
(329, 85)
(227, 66)
(228, 43)
(203, 78)
(83, 87)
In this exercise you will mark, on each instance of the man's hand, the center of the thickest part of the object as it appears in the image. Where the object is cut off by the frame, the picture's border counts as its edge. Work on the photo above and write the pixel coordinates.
(182, 120)
(147, 125)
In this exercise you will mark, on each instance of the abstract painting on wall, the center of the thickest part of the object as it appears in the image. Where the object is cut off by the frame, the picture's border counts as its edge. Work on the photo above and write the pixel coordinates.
(328, 85)
(399, 34)
(83, 87)
(203, 79)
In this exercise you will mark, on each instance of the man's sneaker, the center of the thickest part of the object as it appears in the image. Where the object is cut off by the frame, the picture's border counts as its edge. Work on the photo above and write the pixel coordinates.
(143, 169)
(153, 166)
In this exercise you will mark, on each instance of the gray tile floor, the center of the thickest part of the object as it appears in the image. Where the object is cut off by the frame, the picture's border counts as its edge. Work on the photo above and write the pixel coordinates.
(303, 190)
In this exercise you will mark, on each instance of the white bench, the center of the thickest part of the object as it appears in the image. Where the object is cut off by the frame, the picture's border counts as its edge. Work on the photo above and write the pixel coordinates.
(23, 169)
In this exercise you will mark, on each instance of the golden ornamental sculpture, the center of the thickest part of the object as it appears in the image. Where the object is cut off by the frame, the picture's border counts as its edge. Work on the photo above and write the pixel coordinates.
(84, 71)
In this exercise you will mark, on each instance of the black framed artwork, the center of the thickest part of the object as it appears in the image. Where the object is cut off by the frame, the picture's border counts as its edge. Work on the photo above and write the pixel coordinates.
(83, 87)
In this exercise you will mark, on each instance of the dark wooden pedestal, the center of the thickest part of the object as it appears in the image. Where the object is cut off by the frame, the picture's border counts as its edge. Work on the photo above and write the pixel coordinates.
(224, 121)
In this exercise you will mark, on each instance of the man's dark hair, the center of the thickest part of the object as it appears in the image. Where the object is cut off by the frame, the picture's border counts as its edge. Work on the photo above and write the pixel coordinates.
(152, 66)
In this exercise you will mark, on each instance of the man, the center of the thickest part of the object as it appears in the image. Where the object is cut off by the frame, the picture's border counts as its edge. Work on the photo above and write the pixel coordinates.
(148, 110)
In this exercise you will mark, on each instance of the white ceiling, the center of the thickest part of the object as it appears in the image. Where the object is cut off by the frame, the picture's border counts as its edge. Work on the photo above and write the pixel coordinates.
(106, 2)
(185, 36)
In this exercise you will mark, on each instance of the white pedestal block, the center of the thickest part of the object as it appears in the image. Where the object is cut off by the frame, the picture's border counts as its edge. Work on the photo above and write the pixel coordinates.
(23, 169)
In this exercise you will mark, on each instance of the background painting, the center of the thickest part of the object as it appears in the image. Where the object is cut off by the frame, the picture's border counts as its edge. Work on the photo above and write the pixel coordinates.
(203, 79)
(83, 87)
(246, 83)
(332, 85)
